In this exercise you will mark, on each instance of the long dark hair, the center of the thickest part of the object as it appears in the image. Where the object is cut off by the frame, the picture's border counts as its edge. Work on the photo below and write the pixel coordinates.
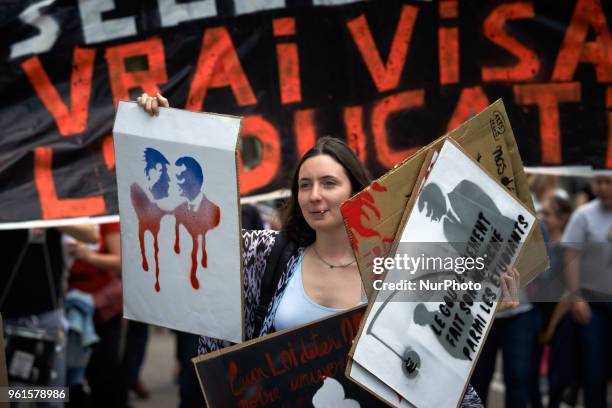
(294, 224)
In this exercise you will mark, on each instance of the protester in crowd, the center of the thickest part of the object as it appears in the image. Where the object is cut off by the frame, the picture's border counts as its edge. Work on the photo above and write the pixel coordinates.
(190, 392)
(588, 262)
(515, 332)
(584, 195)
(558, 330)
(31, 294)
(320, 277)
(269, 214)
(555, 214)
(543, 186)
(251, 219)
(136, 338)
(97, 272)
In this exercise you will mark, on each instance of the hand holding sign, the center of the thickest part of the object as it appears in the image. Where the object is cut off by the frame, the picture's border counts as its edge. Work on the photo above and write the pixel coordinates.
(510, 290)
(151, 104)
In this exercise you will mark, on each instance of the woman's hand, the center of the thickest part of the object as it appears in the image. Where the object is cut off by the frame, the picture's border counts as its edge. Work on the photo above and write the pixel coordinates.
(151, 104)
(79, 250)
(581, 312)
(510, 290)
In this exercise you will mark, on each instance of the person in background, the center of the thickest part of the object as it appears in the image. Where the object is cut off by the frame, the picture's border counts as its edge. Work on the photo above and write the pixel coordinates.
(136, 338)
(190, 393)
(187, 344)
(584, 195)
(31, 287)
(555, 214)
(251, 219)
(269, 210)
(588, 271)
(542, 186)
(559, 331)
(97, 272)
(515, 332)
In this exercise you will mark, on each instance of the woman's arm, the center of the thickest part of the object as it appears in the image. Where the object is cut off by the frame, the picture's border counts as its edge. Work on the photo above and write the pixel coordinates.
(558, 313)
(510, 290)
(256, 247)
(580, 309)
(110, 261)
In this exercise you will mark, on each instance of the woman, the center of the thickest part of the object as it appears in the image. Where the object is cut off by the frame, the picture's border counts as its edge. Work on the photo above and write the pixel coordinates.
(555, 214)
(560, 330)
(321, 277)
(96, 270)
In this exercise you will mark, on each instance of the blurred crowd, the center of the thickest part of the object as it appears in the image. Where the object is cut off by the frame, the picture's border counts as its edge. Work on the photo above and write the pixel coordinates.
(61, 304)
(61, 300)
(555, 347)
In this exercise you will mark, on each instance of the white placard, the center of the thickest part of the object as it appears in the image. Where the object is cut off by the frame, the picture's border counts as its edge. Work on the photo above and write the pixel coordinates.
(179, 207)
(416, 345)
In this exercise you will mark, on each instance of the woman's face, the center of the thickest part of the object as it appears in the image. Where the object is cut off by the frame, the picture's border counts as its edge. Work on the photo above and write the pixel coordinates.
(322, 186)
(550, 216)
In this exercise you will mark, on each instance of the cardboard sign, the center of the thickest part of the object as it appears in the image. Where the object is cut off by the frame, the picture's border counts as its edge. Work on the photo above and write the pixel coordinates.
(373, 216)
(300, 367)
(180, 224)
(430, 330)
(374, 385)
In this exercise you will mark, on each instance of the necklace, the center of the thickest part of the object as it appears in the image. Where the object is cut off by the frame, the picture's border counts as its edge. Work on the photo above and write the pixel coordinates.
(330, 265)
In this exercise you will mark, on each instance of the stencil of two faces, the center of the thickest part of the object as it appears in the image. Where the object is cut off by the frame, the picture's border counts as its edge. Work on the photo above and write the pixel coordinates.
(169, 185)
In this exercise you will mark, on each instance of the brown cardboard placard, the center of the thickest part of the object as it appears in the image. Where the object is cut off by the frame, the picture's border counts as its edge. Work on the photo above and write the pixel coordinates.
(372, 217)
(421, 177)
(422, 174)
(405, 217)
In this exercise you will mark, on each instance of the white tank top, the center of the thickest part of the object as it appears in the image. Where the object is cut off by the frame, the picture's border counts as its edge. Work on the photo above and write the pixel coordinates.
(296, 307)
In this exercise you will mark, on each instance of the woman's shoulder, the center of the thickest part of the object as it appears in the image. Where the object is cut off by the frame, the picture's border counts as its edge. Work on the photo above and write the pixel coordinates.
(259, 236)
(259, 233)
(257, 243)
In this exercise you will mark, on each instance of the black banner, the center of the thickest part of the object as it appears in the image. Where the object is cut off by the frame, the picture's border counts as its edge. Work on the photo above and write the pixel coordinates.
(388, 76)
(298, 368)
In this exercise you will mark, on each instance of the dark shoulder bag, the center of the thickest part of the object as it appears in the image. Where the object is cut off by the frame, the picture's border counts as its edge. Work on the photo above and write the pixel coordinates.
(279, 257)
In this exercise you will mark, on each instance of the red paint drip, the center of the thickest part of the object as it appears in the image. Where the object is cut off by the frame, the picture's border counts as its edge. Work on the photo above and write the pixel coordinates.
(376, 186)
(354, 209)
(149, 219)
(196, 222)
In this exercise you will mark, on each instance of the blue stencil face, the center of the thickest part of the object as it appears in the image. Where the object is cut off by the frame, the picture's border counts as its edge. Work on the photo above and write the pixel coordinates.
(191, 179)
(156, 170)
